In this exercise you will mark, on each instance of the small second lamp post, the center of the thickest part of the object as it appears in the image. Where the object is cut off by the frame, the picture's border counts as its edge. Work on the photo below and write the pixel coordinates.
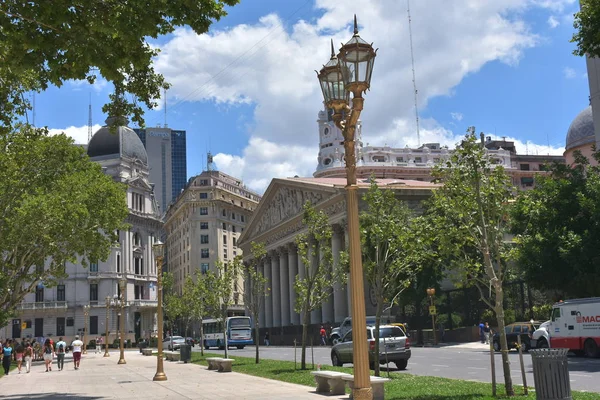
(432, 311)
(86, 313)
(159, 252)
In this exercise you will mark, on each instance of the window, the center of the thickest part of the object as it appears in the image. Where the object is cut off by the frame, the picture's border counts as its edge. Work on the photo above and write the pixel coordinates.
(243, 218)
(524, 167)
(204, 239)
(232, 215)
(203, 225)
(224, 226)
(399, 159)
(94, 325)
(204, 195)
(224, 212)
(555, 314)
(60, 293)
(60, 326)
(39, 327)
(224, 254)
(39, 294)
(94, 266)
(136, 292)
(234, 253)
(233, 228)
(118, 263)
(234, 241)
(204, 253)
(70, 321)
(93, 292)
(203, 182)
(204, 268)
(527, 181)
(137, 240)
(517, 329)
(28, 324)
(203, 210)
(418, 160)
(225, 240)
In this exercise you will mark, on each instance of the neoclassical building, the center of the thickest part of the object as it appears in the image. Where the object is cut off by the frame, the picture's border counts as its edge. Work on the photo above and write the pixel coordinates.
(278, 220)
(581, 137)
(58, 311)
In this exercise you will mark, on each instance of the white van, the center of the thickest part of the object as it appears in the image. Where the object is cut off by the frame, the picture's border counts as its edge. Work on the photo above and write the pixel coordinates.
(575, 325)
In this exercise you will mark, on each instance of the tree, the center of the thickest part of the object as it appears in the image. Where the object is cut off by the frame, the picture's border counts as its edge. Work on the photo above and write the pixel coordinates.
(202, 299)
(315, 281)
(172, 303)
(48, 43)
(256, 288)
(386, 247)
(225, 281)
(587, 26)
(56, 207)
(469, 217)
(558, 228)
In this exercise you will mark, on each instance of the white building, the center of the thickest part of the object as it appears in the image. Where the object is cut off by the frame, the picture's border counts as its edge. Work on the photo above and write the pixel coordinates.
(58, 311)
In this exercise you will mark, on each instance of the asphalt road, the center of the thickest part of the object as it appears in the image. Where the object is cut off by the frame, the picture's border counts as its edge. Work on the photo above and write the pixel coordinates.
(456, 362)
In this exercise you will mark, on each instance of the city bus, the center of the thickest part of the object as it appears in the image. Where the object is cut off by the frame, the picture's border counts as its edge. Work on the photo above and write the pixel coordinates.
(239, 332)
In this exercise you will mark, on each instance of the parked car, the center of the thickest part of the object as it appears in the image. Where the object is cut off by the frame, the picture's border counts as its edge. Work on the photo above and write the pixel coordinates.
(394, 346)
(541, 337)
(173, 342)
(523, 329)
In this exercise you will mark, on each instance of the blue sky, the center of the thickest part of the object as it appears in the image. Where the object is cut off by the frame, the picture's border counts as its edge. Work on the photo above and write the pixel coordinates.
(247, 90)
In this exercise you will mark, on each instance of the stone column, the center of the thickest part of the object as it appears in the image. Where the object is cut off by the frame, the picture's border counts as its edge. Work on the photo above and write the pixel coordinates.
(293, 271)
(340, 299)
(269, 299)
(275, 289)
(315, 316)
(261, 315)
(284, 286)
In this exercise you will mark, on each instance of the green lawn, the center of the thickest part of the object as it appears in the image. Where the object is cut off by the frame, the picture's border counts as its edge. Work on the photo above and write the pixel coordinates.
(402, 387)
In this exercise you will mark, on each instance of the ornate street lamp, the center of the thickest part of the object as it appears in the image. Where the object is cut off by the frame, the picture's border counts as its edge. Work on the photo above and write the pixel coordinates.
(350, 72)
(431, 294)
(120, 304)
(159, 252)
(106, 337)
(86, 313)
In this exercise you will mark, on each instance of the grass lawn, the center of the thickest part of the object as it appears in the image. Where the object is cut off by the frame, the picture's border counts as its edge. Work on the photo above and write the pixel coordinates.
(402, 387)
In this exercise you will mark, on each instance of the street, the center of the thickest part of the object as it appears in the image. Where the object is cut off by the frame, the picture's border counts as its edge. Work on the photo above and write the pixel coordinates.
(464, 361)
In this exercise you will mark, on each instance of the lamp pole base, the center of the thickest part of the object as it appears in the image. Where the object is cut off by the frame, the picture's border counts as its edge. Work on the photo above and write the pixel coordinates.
(106, 355)
(160, 376)
(362, 393)
(122, 361)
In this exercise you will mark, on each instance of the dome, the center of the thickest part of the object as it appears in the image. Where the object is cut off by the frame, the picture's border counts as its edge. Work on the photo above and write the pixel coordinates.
(581, 131)
(122, 143)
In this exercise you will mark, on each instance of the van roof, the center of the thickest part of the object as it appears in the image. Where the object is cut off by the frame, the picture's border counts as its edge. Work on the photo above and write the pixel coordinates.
(587, 300)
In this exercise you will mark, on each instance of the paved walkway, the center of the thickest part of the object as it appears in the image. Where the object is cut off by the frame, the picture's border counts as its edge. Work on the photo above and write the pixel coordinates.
(102, 378)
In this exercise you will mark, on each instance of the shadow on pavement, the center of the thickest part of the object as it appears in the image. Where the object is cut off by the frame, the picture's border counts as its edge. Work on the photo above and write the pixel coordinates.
(49, 396)
(440, 397)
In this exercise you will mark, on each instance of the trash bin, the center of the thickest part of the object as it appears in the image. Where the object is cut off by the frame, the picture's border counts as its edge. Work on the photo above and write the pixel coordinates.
(185, 353)
(551, 374)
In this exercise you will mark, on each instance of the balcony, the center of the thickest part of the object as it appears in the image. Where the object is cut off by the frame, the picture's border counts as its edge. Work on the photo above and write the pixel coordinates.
(43, 305)
(143, 303)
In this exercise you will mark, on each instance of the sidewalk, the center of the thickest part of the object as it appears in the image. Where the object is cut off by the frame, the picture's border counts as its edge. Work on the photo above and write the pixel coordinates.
(102, 378)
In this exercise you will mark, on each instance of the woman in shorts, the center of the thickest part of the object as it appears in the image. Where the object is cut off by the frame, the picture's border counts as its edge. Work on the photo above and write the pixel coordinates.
(19, 353)
(48, 352)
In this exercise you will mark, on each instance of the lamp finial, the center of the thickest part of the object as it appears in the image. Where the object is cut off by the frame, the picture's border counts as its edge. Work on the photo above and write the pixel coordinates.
(355, 25)
(332, 50)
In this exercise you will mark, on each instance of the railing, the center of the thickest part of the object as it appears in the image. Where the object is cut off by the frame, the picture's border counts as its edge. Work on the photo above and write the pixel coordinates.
(42, 305)
(143, 303)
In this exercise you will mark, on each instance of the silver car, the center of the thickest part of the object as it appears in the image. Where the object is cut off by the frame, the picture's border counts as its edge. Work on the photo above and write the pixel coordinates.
(173, 342)
(394, 346)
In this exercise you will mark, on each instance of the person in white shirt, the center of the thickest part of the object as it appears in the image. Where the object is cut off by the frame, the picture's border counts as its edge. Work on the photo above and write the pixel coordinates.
(77, 346)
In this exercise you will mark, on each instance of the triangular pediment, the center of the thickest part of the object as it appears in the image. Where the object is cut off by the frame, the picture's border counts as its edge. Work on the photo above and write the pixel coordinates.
(139, 182)
(283, 200)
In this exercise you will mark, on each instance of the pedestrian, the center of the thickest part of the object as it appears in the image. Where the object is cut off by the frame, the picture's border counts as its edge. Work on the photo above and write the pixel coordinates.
(61, 348)
(6, 356)
(98, 345)
(323, 335)
(28, 356)
(48, 351)
(37, 350)
(267, 342)
(19, 351)
(77, 345)
(481, 333)
(487, 332)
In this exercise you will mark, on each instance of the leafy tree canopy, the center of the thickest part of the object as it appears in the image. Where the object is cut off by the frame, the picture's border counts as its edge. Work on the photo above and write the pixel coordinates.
(48, 42)
(587, 25)
(56, 206)
(558, 229)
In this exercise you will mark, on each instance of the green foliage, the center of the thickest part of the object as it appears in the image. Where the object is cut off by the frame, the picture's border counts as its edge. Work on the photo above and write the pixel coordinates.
(587, 26)
(388, 248)
(443, 319)
(316, 276)
(558, 230)
(226, 279)
(542, 312)
(46, 43)
(56, 207)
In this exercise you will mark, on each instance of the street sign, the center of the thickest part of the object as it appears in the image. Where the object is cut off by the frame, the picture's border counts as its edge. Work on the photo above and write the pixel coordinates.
(432, 310)
(23, 325)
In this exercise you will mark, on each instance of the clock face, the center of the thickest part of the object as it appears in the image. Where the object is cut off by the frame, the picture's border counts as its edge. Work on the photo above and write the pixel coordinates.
(326, 131)
(372, 296)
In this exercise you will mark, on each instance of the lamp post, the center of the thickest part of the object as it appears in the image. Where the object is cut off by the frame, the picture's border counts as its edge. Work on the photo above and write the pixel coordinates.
(119, 302)
(350, 72)
(159, 252)
(86, 313)
(431, 294)
(106, 337)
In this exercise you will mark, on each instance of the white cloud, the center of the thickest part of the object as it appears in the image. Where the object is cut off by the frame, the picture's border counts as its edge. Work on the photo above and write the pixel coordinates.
(569, 73)
(270, 65)
(456, 116)
(553, 22)
(78, 133)
(82, 84)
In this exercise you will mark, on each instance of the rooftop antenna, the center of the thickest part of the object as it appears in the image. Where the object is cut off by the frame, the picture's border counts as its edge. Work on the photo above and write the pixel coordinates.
(90, 119)
(210, 166)
(165, 101)
(412, 57)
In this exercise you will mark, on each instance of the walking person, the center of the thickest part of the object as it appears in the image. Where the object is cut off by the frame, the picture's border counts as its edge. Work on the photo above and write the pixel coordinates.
(267, 341)
(28, 356)
(487, 331)
(48, 351)
(19, 351)
(323, 335)
(98, 345)
(60, 347)
(7, 353)
(77, 346)
(481, 333)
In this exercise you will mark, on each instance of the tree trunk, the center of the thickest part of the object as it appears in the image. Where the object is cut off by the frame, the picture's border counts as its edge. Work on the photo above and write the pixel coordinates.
(499, 309)
(377, 325)
(305, 321)
(201, 338)
(256, 338)
(225, 331)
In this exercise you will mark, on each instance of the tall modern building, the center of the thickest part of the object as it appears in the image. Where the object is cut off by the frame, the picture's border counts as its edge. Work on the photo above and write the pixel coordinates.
(167, 160)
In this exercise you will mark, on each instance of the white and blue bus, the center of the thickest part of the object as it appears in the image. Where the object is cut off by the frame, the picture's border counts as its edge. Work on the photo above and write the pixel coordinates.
(239, 332)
